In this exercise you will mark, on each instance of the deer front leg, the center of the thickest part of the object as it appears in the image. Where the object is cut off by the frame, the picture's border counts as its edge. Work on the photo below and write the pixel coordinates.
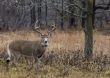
(38, 65)
(30, 61)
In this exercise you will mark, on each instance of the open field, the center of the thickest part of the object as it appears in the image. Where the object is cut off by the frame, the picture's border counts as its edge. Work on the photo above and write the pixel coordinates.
(64, 56)
(60, 40)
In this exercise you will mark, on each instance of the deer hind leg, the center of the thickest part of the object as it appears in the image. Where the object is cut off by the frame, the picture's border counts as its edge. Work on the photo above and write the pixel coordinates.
(15, 60)
(8, 59)
(12, 59)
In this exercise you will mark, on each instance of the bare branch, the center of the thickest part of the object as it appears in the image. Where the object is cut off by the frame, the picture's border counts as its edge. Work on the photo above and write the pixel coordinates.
(103, 7)
(76, 5)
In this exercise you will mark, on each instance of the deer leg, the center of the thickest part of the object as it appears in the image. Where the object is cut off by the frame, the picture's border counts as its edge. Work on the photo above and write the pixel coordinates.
(8, 59)
(38, 65)
(31, 62)
(15, 60)
(7, 65)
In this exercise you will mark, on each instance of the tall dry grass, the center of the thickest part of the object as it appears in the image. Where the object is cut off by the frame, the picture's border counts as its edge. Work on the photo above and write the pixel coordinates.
(64, 56)
(73, 40)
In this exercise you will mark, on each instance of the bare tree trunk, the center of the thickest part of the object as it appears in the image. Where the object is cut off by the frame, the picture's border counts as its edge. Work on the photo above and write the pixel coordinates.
(46, 8)
(93, 17)
(104, 8)
(71, 17)
(62, 15)
(56, 14)
(89, 31)
(83, 14)
(5, 26)
(39, 11)
(33, 15)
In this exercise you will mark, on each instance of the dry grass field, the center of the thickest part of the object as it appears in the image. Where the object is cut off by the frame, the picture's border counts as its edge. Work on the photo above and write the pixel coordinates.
(64, 56)
(73, 40)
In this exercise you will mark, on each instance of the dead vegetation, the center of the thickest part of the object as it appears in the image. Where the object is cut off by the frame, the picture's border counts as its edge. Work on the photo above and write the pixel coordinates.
(64, 57)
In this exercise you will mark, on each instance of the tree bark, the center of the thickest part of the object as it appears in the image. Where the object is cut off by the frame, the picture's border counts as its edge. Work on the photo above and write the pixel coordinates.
(39, 12)
(89, 31)
(71, 17)
(33, 15)
(93, 17)
(46, 9)
(62, 15)
(83, 14)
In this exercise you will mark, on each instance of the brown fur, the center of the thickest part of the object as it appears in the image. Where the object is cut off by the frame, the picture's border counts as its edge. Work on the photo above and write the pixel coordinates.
(29, 49)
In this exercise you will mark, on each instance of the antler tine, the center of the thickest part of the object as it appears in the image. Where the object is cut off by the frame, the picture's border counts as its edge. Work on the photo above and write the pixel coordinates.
(36, 28)
(53, 29)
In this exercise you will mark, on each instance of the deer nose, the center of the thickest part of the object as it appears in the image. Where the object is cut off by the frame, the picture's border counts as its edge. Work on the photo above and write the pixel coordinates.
(45, 41)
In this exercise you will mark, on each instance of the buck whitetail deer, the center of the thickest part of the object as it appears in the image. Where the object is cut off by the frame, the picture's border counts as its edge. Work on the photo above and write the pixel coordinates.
(33, 49)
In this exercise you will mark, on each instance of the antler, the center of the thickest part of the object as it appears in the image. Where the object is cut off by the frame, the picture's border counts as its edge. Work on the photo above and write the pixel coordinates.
(53, 29)
(36, 28)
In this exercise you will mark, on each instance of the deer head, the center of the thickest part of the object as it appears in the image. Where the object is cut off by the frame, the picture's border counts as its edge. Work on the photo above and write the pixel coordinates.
(44, 37)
